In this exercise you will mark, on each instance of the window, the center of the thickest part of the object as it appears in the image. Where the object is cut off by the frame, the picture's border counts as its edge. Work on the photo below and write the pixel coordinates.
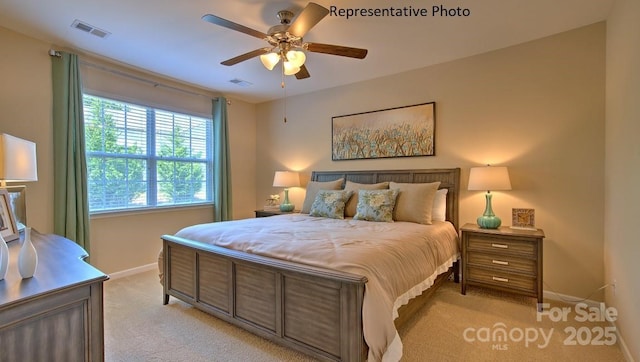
(141, 157)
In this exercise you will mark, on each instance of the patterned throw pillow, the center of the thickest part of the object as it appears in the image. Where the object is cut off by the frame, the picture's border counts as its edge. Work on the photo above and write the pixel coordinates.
(350, 209)
(330, 204)
(312, 190)
(376, 205)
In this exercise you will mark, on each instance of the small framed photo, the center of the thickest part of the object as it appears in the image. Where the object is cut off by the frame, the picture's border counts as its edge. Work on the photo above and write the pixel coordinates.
(524, 219)
(8, 227)
(17, 200)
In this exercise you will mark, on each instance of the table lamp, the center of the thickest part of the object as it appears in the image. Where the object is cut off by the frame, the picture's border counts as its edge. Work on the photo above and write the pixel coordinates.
(286, 179)
(489, 178)
(17, 163)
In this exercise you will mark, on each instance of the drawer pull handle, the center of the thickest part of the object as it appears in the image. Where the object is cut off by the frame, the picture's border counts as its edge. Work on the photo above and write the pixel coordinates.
(498, 279)
(500, 262)
(501, 246)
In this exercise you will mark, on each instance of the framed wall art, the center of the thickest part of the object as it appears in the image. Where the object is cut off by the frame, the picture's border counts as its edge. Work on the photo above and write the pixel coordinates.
(407, 131)
(8, 227)
(523, 219)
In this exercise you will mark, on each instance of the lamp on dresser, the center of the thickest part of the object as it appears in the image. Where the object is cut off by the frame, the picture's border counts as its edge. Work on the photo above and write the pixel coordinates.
(286, 179)
(489, 178)
(17, 164)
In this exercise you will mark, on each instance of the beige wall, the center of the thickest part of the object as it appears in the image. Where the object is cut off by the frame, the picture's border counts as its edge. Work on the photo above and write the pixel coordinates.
(537, 107)
(25, 102)
(129, 240)
(622, 171)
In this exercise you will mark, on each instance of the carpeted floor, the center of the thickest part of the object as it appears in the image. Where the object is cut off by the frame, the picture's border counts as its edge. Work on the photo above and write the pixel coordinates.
(451, 327)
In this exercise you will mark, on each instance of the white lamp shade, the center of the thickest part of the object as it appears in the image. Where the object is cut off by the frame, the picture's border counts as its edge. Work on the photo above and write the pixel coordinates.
(489, 178)
(270, 60)
(286, 179)
(296, 58)
(290, 69)
(17, 159)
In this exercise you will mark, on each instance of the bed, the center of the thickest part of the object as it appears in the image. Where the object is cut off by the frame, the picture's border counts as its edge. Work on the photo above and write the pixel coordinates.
(311, 306)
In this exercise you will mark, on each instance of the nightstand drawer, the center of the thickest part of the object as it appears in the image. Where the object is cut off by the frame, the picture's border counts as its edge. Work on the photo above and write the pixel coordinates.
(501, 279)
(491, 244)
(503, 262)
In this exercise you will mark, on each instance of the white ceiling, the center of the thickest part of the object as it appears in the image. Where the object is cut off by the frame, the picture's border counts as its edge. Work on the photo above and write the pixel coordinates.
(168, 37)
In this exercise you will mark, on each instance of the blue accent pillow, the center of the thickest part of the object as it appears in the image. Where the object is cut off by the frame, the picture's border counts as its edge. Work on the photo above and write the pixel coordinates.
(330, 204)
(376, 205)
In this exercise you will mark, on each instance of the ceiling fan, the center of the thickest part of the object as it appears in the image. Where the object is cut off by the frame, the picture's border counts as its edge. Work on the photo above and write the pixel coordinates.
(286, 41)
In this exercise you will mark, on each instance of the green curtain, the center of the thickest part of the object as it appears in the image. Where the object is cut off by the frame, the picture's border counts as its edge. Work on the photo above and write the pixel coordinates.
(70, 208)
(221, 164)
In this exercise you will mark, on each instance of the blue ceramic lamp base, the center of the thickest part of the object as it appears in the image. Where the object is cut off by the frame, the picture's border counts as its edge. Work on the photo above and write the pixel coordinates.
(488, 220)
(286, 206)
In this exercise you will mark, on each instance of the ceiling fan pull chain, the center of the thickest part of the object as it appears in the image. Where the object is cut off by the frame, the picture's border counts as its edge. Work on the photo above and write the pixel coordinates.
(284, 90)
(285, 107)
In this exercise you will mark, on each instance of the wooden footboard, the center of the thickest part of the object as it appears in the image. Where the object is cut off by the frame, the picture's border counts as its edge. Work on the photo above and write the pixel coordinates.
(313, 310)
(316, 311)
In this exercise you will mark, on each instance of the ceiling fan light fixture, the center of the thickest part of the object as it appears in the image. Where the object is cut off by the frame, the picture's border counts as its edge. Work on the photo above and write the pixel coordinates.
(296, 58)
(285, 41)
(290, 68)
(270, 60)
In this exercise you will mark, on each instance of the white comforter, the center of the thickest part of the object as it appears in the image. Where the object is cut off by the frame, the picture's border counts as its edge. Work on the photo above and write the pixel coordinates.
(399, 259)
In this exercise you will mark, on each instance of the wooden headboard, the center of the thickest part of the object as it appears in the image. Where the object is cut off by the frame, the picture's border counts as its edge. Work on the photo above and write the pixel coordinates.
(449, 179)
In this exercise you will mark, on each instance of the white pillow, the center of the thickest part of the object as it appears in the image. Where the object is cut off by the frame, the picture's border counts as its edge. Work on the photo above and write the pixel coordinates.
(439, 212)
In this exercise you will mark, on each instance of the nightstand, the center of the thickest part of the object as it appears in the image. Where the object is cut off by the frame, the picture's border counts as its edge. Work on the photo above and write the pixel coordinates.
(504, 259)
(266, 213)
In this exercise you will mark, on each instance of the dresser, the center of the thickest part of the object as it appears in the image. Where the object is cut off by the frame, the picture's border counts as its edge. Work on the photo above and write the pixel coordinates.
(57, 315)
(503, 259)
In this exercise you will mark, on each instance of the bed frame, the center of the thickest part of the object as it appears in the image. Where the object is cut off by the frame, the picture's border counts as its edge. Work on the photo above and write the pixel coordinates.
(313, 310)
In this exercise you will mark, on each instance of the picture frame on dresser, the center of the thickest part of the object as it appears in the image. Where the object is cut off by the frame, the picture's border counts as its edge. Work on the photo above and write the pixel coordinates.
(8, 226)
(524, 219)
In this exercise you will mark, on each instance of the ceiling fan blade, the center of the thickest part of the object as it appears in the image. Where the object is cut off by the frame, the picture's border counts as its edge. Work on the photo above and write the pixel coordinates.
(336, 50)
(307, 19)
(303, 73)
(245, 56)
(233, 26)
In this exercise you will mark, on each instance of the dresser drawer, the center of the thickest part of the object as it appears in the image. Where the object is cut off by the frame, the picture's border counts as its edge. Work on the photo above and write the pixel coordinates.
(501, 279)
(493, 245)
(504, 263)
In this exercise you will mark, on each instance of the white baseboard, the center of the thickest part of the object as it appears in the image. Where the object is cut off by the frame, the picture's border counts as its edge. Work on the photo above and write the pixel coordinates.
(623, 346)
(136, 270)
(570, 299)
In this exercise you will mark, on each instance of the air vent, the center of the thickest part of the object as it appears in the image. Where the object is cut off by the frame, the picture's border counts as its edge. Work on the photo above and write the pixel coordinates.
(240, 82)
(80, 25)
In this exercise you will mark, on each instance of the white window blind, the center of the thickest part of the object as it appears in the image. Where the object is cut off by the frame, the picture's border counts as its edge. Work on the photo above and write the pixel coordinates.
(141, 157)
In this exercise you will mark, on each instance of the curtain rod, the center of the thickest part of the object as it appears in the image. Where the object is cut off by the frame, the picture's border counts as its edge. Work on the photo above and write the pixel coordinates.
(55, 53)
